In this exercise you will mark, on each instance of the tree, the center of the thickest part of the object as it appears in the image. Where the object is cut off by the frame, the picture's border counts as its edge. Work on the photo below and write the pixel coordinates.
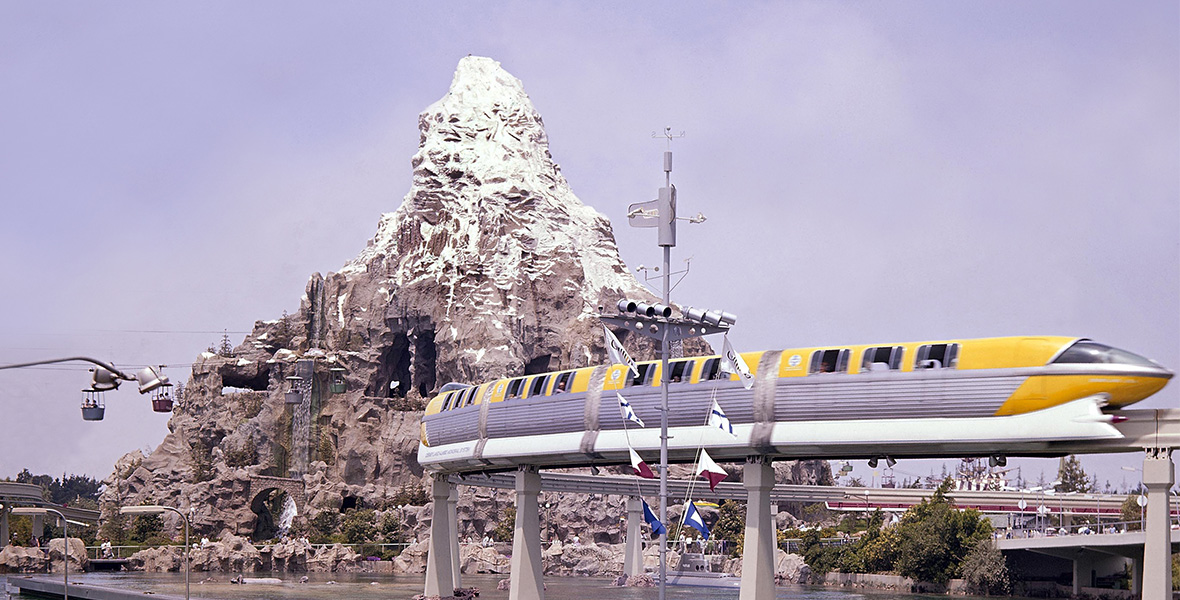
(1131, 513)
(731, 525)
(934, 537)
(226, 348)
(359, 526)
(985, 569)
(323, 526)
(1072, 476)
(506, 527)
(392, 531)
(146, 527)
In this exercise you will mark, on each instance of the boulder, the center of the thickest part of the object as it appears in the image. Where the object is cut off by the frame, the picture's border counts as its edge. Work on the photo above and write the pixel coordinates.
(78, 558)
(230, 554)
(412, 560)
(335, 558)
(18, 559)
(790, 568)
(474, 558)
(157, 560)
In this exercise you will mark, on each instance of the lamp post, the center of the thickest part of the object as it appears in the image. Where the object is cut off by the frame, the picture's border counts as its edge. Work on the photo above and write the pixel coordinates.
(65, 525)
(152, 509)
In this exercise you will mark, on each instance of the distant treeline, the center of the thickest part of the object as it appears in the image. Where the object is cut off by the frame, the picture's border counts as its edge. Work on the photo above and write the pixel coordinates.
(74, 490)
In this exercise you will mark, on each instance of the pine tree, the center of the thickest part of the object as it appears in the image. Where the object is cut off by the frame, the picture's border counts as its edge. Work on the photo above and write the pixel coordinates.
(1072, 476)
(226, 349)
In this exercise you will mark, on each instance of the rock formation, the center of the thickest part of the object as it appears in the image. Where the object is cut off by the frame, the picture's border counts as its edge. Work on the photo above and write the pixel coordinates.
(491, 266)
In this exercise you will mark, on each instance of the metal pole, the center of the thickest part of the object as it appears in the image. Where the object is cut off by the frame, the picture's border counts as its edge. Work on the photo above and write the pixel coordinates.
(664, 380)
(187, 559)
(65, 530)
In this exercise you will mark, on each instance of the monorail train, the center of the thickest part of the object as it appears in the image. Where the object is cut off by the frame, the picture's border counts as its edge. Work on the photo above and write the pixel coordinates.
(910, 399)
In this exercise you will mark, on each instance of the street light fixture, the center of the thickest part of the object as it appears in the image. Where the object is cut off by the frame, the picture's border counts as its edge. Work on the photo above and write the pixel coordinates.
(107, 377)
(65, 525)
(152, 509)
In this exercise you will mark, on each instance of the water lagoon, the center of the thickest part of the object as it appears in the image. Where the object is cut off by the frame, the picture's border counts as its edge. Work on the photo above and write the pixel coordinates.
(361, 586)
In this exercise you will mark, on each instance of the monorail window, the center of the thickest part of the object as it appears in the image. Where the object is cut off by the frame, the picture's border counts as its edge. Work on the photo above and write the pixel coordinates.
(538, 386)
(646, 370)
(882, 358)
(514, 388)
(711, 370)
(563, 382)
(448, 399)
(1085, 351)
(830, 361)
(468, 397)
(680, 370)
(937, 356)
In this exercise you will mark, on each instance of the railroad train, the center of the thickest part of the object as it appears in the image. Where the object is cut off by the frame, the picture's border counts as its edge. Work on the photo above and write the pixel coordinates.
(922, 399)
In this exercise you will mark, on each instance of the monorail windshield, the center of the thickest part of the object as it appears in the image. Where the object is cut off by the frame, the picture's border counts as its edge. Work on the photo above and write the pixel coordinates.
(1085, 351)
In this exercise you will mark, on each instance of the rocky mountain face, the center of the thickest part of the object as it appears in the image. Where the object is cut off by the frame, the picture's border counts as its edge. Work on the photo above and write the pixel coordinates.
(490, 267)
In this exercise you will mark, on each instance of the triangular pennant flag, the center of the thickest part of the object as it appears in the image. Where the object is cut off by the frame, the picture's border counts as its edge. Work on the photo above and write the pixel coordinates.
(731, 362)
(710, 471)
(693, 519)
(641, 468)
(627, 411)
(657, 528)
(718, 419)
(618, 354)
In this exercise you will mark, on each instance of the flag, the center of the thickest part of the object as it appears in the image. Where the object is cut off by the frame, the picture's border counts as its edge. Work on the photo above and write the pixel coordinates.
(657, 528)
(641, 468)
(709, 470)
(693, 519)
(628, 412)
(718, 419)
(618, 354)
(731, 362)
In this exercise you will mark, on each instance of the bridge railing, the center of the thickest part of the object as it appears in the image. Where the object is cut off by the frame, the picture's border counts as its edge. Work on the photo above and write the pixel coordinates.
(1078, 529)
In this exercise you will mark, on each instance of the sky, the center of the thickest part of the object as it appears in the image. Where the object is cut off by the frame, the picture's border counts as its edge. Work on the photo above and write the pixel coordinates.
(871, 172)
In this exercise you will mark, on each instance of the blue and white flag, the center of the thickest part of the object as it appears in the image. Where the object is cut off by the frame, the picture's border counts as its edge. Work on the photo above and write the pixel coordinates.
(657, 528)
(718, 419)
(693, 519)
(627, 411)
(731, 362)
(618, 354)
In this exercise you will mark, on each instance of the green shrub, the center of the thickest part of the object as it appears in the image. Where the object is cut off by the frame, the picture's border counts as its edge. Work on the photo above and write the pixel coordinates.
(359, 526)
(323, 526)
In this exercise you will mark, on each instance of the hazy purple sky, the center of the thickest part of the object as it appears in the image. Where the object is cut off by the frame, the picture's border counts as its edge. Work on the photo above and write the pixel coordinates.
(881, 171)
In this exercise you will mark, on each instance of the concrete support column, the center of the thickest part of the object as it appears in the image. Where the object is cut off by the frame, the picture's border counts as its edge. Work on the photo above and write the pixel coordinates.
(453, 523)
(439, 579)
(633, 557)
(1083, 565)
(1158, 477)
(525, 582)
(5, 536)
(758, 552)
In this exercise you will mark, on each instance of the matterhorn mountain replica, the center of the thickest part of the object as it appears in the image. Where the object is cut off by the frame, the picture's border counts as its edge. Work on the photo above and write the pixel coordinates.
(490, 267)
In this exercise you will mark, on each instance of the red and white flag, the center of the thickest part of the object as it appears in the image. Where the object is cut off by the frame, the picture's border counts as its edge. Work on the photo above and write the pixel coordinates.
(641, 468)
(710, 470)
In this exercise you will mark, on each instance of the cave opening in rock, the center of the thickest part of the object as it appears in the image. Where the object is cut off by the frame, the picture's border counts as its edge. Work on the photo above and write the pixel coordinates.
(274, 510)
(539, 364)
(425, 355)
(348, 503)
(235, 378)
(392, 377)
